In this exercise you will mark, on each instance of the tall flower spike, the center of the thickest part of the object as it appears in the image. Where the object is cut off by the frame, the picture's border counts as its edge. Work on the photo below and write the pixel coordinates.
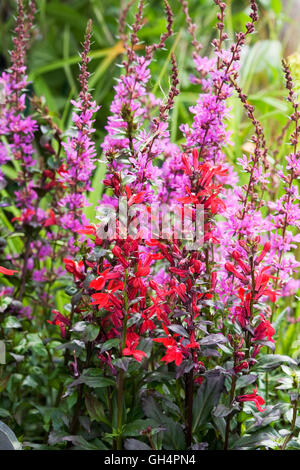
(80, 149)
(17, 128)
(191, 27)
(285, 211)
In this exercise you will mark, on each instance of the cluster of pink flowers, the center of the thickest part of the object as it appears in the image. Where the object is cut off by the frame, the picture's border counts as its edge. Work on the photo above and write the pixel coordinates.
(76, 171)
(18, 129)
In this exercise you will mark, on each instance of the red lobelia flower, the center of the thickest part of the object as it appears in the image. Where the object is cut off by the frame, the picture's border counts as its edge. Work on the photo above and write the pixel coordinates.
(258, 400)
(61, 321)
(174, 352)
(132, 340)
(7, 272)
(77, 269)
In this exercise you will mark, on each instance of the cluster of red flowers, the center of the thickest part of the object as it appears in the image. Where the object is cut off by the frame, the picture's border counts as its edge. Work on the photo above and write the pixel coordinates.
(124, 283)
(133, 304)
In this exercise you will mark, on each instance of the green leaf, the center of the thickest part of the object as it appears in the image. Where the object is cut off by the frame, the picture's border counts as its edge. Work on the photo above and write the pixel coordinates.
(81, 443)
(213, 339)
(64, 14)
(111, 343)
(91, 332)
(95, 410)
(269, 415)
(97, 381)
(134, 444)
(245, 380)
(276, 6)
(152, 410)
(265, 439)
(29, 382)
(221, 410)
(2, 352)
(42, 89)
(179, 330)
(11, 322)
(286, 383)
(207, 397)
(122, 363)
(88, 331)
(74, 345)
(136, 427)
(95, 196)
(173, 436)
(4, 413)
(271, 361)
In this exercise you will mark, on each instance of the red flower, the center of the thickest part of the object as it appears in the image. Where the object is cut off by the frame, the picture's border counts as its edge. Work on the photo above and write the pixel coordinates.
(158, 308)
(187, 166)
(258, 400)
(51, 220)
(198, 380)
(180, 291)
(136, 198)
(7, 272)
(77, 269)
(26, 216)
(193, 343)
(206, 192)
(173, 352)
(61, 321)
(232, 269)
(87, 230)
(91, 230)
(245, 267)
(241, 366)
(101, 299)
(261, 283)
(117, 252)
(99, 283)
(137, 354)
(132, 341)
(143, 268)
(243, 310)
(266, 248)
(179, 272)
(163, 249)
(147, 324)
(264, 330)
(195, 159)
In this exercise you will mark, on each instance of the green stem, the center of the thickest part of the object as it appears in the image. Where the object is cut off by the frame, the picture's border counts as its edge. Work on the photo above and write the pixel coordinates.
(293, 424)
(267, 385)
